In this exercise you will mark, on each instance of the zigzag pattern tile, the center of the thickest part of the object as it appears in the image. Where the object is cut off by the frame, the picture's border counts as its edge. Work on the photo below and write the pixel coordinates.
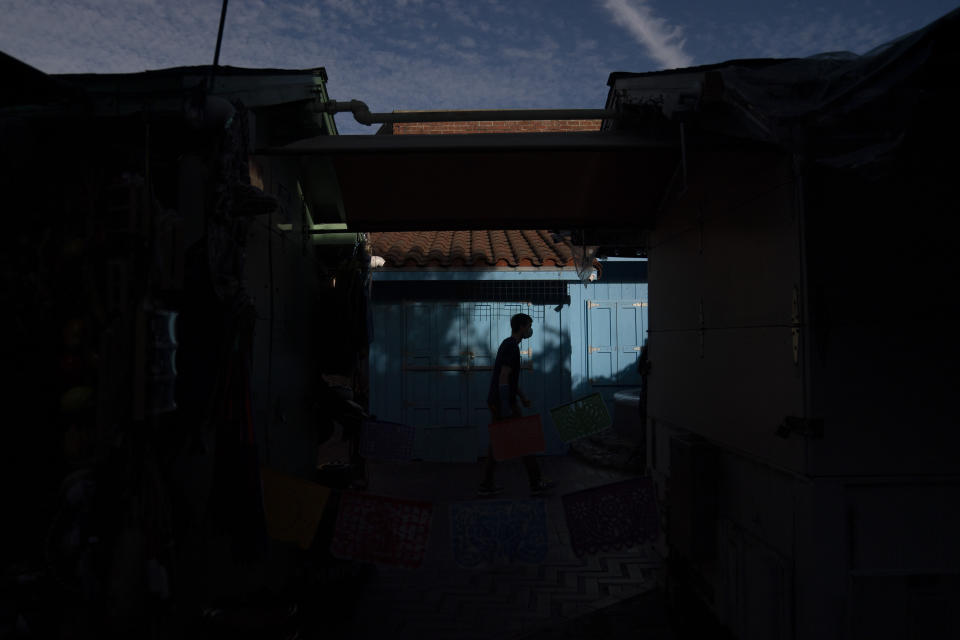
(446, 603)
(441, 600)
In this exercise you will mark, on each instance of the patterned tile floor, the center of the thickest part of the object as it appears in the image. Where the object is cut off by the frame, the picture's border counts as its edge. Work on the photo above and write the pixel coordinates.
(441, 600)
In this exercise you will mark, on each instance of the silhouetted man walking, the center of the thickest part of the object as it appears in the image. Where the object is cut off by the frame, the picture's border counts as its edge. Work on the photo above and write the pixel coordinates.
(502, 401)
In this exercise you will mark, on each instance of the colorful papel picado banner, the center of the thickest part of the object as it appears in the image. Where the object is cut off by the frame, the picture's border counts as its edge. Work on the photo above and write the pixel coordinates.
(498, 532)
(612, 517)
(383, 530)
(581, 418)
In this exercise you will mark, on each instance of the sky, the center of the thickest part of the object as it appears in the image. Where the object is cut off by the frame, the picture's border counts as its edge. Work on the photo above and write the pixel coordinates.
(447, 54)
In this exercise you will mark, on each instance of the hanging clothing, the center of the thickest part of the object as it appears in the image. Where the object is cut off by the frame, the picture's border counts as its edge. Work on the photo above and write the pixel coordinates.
(237, 500)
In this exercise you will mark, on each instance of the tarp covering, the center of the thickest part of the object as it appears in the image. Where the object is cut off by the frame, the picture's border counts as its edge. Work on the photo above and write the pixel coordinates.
(841, 109)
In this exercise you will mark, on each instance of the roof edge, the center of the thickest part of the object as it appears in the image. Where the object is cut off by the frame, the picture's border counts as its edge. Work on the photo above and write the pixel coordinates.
(221, 71)
(752, 63)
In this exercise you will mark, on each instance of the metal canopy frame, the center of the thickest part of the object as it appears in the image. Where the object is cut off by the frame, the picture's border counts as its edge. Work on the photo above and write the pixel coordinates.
(496, 180)
(499, 142)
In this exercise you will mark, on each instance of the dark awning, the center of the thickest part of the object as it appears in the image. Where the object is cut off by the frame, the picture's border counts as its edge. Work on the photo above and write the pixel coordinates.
(496, 181)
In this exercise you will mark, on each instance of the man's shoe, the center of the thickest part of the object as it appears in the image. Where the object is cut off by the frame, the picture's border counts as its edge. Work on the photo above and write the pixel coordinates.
(488, 490)
(542, 487)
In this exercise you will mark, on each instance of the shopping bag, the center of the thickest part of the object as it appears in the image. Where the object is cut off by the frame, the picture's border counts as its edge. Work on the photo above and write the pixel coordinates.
(515, 437)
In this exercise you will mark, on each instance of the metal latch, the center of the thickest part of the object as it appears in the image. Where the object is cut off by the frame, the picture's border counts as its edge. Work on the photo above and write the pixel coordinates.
(591, 305)
(806, 427)
(593, 349)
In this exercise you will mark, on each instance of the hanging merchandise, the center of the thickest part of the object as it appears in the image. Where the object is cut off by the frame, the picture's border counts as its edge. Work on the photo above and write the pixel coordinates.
(141, 550)
(253, 534)
(584, 255)
(168, 255)
(366, 276)
(77, 399)
(72, 548)
(340, 422)
(236, 498)
(162, 344)
(226, 231)
(353, 283)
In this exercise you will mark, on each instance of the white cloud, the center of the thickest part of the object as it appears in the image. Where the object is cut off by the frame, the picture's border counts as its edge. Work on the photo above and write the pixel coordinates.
(525, 54)
(404, 43)
(545, 52)
(465, 13)
(468, 42)
(359, 11)
(663, 42)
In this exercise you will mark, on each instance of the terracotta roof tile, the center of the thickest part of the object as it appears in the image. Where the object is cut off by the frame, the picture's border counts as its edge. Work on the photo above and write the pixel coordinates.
(474, 249)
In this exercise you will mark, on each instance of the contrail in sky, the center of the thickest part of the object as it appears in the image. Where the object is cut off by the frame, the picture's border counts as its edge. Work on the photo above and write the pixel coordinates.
(663, 42)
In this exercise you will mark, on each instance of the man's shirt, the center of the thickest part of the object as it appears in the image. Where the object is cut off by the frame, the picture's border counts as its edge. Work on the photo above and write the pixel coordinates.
(508, 354)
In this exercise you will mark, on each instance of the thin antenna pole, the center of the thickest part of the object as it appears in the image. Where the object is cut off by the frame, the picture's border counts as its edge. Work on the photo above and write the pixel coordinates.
(216, 53)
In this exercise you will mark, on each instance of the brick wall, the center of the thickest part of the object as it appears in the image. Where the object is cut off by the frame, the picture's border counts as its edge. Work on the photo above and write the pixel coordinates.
(514, 126)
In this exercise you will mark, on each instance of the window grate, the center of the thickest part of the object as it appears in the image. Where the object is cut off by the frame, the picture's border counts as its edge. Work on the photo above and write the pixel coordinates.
(535, 311)
(533, 292)
(482, 311)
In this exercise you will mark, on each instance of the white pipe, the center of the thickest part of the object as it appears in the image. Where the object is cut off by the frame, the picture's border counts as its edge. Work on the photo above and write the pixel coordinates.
(361, 112)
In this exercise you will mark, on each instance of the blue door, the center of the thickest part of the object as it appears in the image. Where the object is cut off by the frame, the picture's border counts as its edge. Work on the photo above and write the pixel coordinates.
(451, 398)
(616, 331)
(480, 344)
(418, 378)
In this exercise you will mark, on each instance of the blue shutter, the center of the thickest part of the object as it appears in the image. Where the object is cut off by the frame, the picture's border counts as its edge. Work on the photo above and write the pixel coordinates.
(631, 326)
(602, 342)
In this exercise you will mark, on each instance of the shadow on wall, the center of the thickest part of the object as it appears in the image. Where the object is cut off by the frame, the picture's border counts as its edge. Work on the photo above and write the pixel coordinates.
(432, 363)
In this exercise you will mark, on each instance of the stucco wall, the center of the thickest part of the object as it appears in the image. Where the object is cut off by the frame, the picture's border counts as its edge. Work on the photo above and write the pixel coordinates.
(723, 263)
